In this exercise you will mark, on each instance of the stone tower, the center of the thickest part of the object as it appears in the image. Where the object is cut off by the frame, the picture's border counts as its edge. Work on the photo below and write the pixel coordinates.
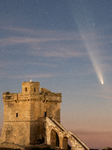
(24, 112)
(33, 117)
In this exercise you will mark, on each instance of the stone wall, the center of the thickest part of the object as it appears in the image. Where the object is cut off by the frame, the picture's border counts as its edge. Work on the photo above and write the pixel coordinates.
(16, 132)
(53, 110)
(16, 111)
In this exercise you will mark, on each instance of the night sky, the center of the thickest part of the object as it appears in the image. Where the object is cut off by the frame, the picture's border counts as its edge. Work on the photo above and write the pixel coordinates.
(66, 45)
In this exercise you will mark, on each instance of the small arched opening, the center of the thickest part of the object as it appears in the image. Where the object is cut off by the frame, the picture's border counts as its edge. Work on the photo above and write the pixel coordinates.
(25, 89)
(34, 89)
(65, 143)
(54, 138)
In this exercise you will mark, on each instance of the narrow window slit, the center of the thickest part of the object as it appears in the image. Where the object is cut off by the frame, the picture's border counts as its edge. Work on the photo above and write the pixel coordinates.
(16, 114)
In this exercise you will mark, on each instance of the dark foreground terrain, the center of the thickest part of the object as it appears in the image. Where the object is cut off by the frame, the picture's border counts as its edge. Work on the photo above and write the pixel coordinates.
(47, 148)
(35, 148)
(8, 149)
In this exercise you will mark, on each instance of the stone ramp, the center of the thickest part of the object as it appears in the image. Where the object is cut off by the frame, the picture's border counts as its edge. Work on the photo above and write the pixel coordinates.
(75, 137)
(76, 143)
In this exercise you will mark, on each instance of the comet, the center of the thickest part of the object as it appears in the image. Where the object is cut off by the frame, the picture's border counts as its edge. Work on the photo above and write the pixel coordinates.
(91, 51)
(102, 82)
(90, 39)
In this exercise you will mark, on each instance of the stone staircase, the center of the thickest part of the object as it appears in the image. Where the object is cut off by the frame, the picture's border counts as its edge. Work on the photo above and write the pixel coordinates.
(76, 143)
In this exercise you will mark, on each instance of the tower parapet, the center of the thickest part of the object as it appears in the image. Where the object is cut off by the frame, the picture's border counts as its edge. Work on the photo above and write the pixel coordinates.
(10, 96)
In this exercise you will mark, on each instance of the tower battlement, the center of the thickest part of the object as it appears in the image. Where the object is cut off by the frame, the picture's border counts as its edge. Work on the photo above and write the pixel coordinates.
(32, 91)
(7, 96)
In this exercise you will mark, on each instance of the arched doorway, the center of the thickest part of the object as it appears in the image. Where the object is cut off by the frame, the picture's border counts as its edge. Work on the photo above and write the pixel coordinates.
(54, 139)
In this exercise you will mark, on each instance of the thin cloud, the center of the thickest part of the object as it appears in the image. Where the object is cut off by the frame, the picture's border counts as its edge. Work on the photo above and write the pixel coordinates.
(105, 93)
(4, 64)
(41, 64)
(58, 49)
(22, 40)
(92, 132)
(99, 138)
(43, 33)
(108, 97)
(50, 43)
(58, 53)
(33, 76)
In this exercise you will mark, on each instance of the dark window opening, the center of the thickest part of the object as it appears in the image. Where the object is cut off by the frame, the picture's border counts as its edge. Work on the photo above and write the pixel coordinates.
(16, 114)
(26, 89)
(34, 89)
(45, 114)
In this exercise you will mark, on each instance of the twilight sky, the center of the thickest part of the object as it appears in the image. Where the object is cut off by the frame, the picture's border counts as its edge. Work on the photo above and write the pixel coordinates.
(66, 45)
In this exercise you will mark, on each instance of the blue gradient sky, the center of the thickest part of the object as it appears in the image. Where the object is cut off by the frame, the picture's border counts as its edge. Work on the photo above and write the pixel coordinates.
(63, 44)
